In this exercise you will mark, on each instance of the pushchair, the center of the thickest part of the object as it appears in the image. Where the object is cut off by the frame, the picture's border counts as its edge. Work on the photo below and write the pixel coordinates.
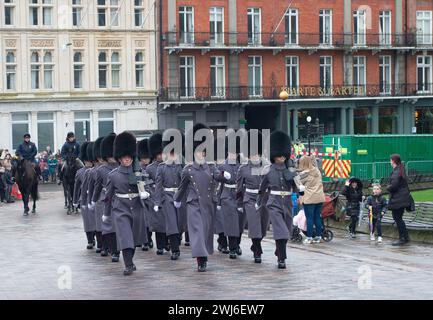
(328, 210)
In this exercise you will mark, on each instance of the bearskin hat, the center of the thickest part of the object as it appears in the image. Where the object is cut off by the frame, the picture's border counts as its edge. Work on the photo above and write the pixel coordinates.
(280, 145)
(155, 144)
(143, 149)
(250, 139)
(125, 144)
(97, 148)
(107, 146)
(83, 152)
(90, 152)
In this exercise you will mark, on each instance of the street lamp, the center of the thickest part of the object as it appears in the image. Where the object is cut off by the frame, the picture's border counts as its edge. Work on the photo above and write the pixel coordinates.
(284, 95)
(308, 134)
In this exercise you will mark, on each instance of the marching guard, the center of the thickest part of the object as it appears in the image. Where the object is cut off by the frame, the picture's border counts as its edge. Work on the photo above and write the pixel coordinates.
(80, 195)
(280, 180)
(124, 196)
(197, 186)
(108, 164)
(168, 177)
(248, 183)
(157, 218)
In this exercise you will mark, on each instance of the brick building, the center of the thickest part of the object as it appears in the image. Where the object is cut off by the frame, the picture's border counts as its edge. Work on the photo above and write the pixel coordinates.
(354, 66)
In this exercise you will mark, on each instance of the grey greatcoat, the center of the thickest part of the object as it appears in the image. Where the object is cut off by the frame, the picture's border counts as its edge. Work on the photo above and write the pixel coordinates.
(249, 177)
(276, 177)
(169, 175)
(233, 220)
(99, 195)
(127, 213)
(198, 184)
(156, 219)
(97, 210)
(80, 196)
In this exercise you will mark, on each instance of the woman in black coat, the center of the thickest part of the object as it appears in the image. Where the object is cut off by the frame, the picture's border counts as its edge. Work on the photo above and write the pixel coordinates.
(399, 198)
(353, 193)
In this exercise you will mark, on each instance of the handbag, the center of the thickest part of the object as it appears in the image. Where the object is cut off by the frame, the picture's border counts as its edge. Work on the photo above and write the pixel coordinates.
(411, 207)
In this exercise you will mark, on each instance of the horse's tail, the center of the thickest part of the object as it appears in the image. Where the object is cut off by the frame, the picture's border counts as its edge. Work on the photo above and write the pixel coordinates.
(35, 192)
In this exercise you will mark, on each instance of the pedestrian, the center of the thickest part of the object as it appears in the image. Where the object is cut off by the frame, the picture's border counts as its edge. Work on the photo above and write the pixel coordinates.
(376, 205)
(313, 198)
(400, 198)
(109, 241)
(80, 195)
(144, 158)
(247, 190)
(197, 186)
(126, 199)
(45, 171)
(353, 192)
(168, 177)
(279, 178)
(157, 219)
(2, 184)
(52, 166)
(98, 210)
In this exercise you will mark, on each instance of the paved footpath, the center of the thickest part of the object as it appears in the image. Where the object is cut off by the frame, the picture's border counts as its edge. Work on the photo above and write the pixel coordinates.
(38, 251)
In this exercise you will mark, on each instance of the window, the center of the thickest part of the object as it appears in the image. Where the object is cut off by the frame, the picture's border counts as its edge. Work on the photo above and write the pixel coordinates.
(216, 25)
(359, 74)
(217, 77)
(359, 27)
(255, 76)
(138, 13)
(292, 74)
(109, 67)
(385, 74)
(254, 26)
(385, 28)
(139, 69)
(78, 70)
(325, 26)
(424, 27)
(40, 12)
(187, 80)
(186, 25)
(82, 125)
(20, 126)
(108, 13)
(326, 75)
(424, 74)
(46, 130)
(77, 12)
(291, 23)
(11, 70)
(105, 122)
(9, 10)
(41, 64)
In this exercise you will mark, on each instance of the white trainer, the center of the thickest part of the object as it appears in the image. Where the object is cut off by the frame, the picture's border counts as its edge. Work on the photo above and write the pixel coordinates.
(379, 239)
(372, 238)
(308, 241)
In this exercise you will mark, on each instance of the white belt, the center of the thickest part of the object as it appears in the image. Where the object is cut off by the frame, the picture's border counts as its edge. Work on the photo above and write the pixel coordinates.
(171, 189)
(255, 191)
(230, 186)
(127, 195)
(104, 189)
(281, 193)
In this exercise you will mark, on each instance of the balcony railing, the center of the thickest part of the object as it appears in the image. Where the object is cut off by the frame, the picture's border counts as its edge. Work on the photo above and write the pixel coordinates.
(335, 40)
(242, 93)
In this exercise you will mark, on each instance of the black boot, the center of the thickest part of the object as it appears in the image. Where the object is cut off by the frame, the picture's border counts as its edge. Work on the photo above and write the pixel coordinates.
(202, 264)
(104, 253)
(145, 247)
(399, 242)
(128, 254)
(281, 264)
(160, 252)
(90, 240)
(232, 255)
(115, 257)
(175, 255)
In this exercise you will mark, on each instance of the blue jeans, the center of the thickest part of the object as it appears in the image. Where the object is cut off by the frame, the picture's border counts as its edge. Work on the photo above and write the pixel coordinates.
(312, 213)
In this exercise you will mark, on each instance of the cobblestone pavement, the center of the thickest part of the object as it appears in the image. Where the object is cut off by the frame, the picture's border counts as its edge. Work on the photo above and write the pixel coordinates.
(36, 249)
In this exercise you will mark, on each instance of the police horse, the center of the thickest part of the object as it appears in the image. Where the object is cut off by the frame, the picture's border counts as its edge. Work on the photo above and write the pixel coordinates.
(69, 172)
(27, 181)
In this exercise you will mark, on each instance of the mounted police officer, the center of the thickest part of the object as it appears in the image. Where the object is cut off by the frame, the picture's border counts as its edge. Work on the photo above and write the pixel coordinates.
(28, 151)
(71, 148)
(124, 198)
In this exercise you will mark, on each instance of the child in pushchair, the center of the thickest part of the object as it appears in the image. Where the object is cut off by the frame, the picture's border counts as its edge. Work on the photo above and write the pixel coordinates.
(300, 222)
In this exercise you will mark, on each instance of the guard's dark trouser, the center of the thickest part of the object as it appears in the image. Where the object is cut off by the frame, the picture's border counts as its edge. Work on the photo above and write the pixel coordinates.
(161, 240)
(222, 240)
(149, 236)
(128, 255)
(233, 243)
(281, 249)
(98, 239)
(174, 242)
(256, 247)
(201, 260)
(90, 237)
(353, 222)
(397, 215)
(106, 242)
(112, 246)
(186, 236)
